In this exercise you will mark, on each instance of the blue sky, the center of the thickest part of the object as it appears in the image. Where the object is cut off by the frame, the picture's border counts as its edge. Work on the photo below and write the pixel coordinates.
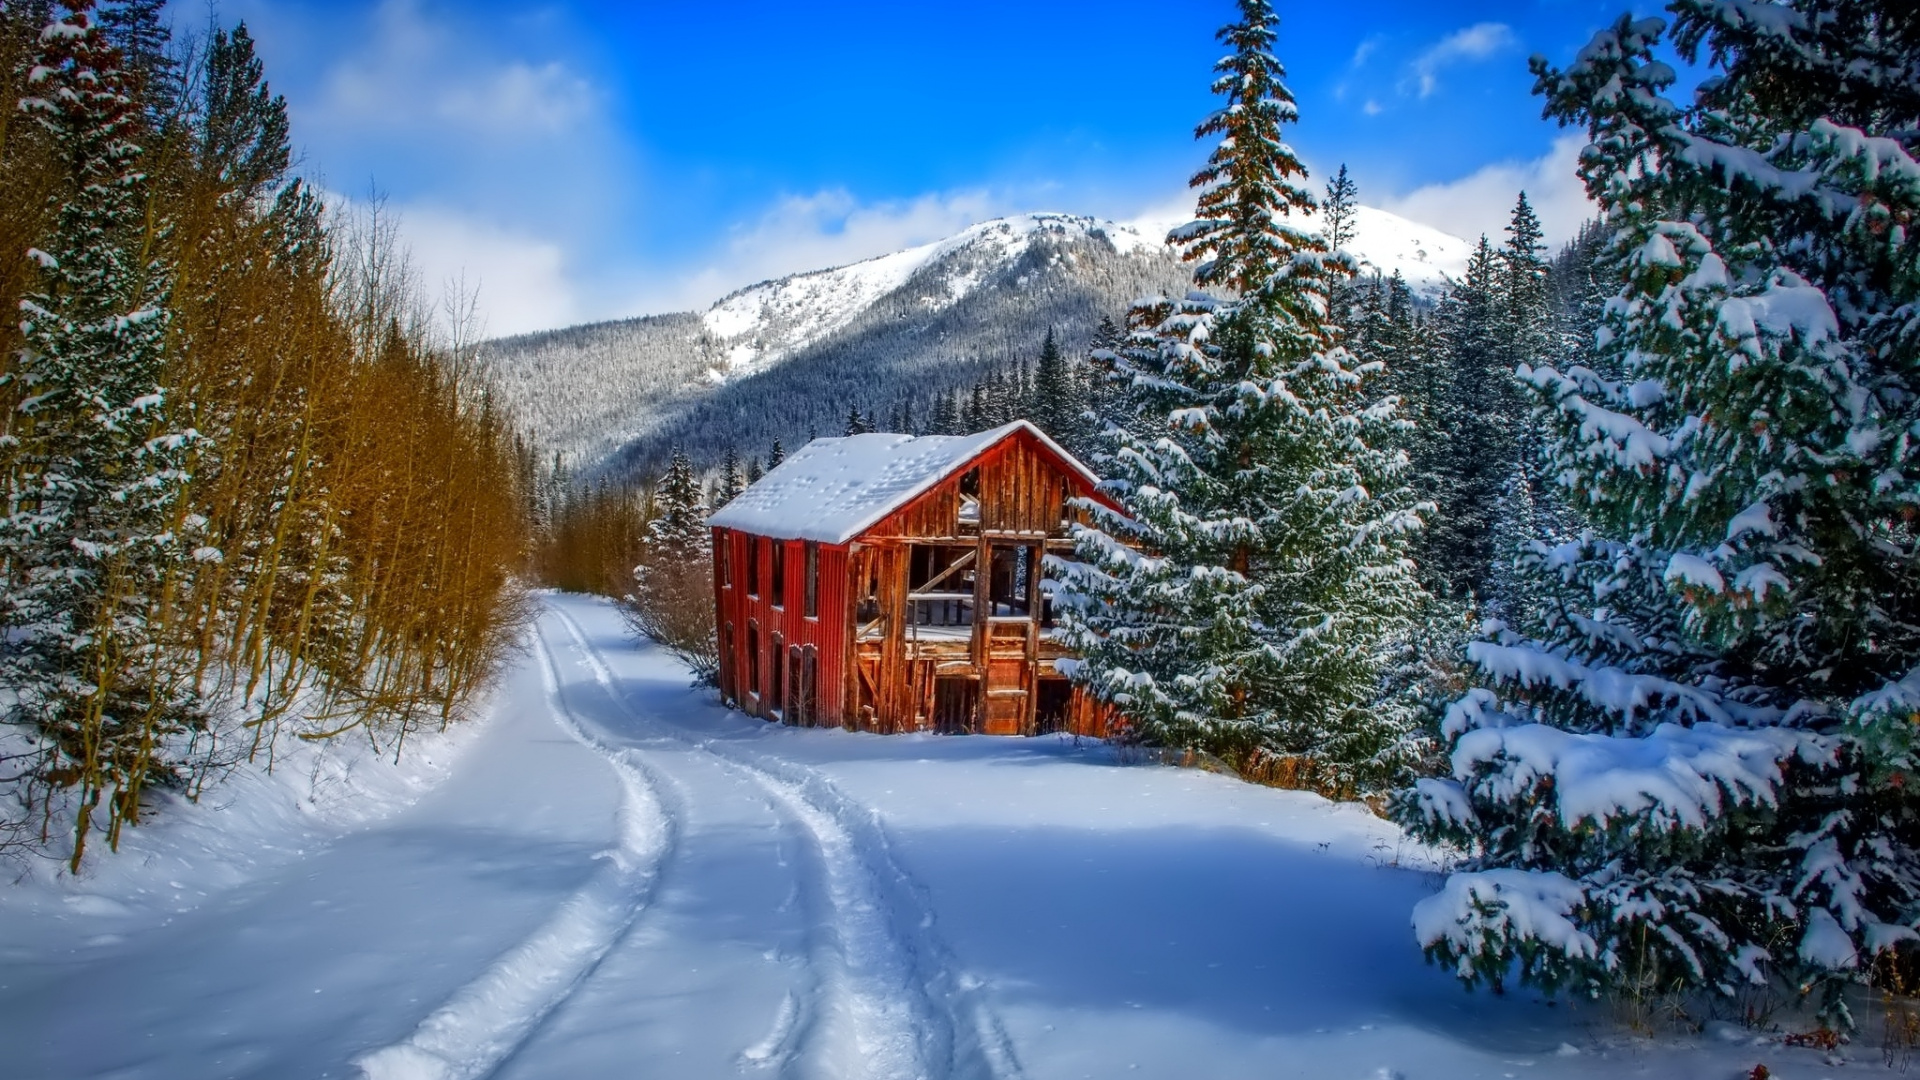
(594, 161)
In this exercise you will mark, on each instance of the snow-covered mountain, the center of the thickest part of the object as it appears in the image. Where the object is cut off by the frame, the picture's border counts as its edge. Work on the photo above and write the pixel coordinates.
(787, 357)
(1383, 243)
(763, 324)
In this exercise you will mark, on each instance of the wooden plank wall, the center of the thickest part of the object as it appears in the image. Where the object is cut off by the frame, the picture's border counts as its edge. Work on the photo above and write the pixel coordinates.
(789, 621)
(879, 685)
(1021, 489)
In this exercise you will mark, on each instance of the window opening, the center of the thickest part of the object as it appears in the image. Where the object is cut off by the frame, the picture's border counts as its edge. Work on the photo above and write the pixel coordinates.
(1012, 586)
(1052, 705)
(940, 584)
(753, 566)
(803, 706)
(753, 658)
(813, 580)
(779, 573)
(777, 685)
(970, 500)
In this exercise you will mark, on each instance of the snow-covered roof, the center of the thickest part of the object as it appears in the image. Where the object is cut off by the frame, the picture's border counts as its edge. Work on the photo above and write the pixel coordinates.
(832, 490)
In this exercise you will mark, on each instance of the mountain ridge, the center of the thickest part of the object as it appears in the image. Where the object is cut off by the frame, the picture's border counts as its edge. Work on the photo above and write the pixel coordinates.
(791, 355)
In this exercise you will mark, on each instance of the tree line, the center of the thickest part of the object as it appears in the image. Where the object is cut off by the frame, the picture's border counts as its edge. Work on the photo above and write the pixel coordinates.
(251, 492)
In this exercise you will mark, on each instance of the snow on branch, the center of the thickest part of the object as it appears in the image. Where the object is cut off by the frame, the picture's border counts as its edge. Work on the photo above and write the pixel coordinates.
(1480, 913)
(1674, 776)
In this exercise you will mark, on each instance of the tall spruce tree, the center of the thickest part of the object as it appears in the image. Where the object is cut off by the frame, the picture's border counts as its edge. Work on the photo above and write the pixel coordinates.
(1057, 406)
(1337, 213)
(730, 481)
(672, 601)
(1253, 588)
(92, 471)
(1693, 769)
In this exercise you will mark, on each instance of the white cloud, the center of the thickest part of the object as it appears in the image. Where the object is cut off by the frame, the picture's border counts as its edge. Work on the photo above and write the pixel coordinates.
(1482, 201)
(1476, 42)
(817, 231)
(522, 280)
(413, 72)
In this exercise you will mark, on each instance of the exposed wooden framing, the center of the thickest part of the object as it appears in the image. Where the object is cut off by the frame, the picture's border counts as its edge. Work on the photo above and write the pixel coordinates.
(882, 669)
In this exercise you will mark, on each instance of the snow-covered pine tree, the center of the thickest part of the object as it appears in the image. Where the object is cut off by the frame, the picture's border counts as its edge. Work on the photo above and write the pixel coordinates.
(91, 472)
(672, 601)
(945, 419)
(1256, 585)
(1523, 325)
(729, 484)
(137, 30)
(1056, 401)
(678, 532)
(775, 456)
(1695, 770)
(1338, 211)
(974, 415)
(856, 424)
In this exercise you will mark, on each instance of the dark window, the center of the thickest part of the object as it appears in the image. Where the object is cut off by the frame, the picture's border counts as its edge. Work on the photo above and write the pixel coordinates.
(956, 701)
(753, 566)
(779, 573)
(777, 685)
(1013, 582)
(729, 665)
(753, 657)
(1052, 708)
(813, 580)
(725, 549)
(800, 704)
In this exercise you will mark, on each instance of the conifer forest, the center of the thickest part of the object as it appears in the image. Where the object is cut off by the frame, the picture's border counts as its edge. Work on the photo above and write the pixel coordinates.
(1558, 611)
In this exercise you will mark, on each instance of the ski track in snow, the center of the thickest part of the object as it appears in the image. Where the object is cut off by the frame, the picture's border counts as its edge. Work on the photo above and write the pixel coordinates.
(484, 1022)
(887, 1001)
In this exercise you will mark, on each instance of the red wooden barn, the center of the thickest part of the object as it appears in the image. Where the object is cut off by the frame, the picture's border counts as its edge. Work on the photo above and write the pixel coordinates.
(892, 583)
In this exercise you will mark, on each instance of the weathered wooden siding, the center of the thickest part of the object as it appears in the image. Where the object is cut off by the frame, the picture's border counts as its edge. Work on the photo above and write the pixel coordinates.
(874, 672)
(787, 620)
(1022, 490)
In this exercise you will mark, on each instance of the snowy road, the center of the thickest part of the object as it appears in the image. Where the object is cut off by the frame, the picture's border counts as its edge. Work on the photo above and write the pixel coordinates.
(620, 879)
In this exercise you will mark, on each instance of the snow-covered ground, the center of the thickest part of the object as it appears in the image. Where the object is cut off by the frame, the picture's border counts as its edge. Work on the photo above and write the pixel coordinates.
(617, 878)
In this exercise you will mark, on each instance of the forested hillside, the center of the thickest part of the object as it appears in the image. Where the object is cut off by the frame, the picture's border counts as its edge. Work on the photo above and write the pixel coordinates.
(787, 359)
(250, 493)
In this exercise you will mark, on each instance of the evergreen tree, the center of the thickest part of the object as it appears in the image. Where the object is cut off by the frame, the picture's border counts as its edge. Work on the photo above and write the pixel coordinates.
(92, 472)
(1338, 211)
(1691, 770)
(678, 532)
(1524, 323)
(974, 417)
(1255, 588)
(754, 472)
(857, 424)
(242, 138)
(1476, 453)
(730, 481)
(1056, 400)
(946, 418)
(776, 455)
(672, 601)
(136, 30)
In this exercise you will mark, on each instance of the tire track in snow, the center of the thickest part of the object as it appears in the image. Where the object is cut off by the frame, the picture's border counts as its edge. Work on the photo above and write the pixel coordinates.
(889, 1001)
(486, 1020)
